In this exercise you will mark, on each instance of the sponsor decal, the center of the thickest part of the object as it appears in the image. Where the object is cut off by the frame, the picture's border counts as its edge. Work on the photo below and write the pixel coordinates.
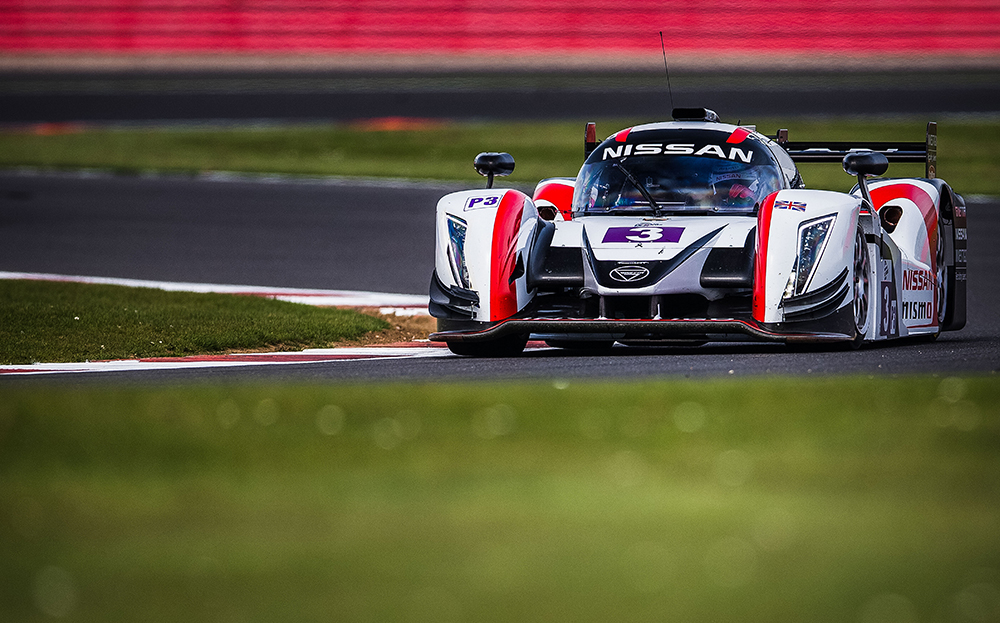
(918, 310)
(797, 206)
(918, 280)
(961, 233)
(644, 233)
(722, 177)
(888, 325)
(678, 149)
(917, 307)
(960, 211)
(960, 255)
(628, 274)
(482, 202)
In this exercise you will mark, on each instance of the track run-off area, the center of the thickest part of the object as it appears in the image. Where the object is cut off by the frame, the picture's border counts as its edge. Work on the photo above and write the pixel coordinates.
(344, 238)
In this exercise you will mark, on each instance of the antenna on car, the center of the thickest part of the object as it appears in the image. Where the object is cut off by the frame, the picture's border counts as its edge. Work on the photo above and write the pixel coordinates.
(667, 70)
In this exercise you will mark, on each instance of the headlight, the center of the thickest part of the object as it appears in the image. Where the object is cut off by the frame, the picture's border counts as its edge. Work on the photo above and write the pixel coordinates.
(811, 244)
(456, 250)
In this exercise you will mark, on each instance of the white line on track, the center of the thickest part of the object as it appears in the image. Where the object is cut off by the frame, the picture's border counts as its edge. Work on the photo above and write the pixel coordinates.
(319, 355)
(399, 304)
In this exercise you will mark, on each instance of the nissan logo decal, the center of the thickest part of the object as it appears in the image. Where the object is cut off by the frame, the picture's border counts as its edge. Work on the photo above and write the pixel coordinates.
(629, 273)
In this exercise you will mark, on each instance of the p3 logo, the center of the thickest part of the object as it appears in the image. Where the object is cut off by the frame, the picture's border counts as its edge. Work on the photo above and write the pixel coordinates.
(476, 203)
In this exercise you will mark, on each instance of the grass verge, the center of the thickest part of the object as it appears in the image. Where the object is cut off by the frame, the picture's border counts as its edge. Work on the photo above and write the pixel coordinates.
(445, 151)
(57, 322)
(766, 500)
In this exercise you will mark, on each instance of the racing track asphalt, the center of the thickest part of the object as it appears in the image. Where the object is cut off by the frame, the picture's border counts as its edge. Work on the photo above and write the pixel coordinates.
(379, 236)
(321, 96)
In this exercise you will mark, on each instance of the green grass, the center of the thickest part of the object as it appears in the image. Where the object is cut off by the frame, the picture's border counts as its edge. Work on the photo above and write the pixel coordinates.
(54, 322)
(760, 500)
(541, 149)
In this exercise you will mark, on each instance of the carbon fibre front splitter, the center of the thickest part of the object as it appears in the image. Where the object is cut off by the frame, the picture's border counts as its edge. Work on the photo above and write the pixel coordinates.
(711, 329)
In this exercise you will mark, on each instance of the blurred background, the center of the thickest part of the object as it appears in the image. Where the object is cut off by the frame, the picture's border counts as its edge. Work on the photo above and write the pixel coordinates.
(481, 34)
(86, 60)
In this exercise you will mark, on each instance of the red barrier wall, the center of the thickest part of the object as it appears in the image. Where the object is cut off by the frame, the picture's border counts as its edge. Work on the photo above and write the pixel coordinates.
(960, 27)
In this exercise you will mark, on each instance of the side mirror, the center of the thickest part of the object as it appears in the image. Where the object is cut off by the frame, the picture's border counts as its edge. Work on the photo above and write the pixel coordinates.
(865, 163)
(490, 163)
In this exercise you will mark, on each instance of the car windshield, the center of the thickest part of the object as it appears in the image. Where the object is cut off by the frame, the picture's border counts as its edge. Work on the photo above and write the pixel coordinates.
(642, 184)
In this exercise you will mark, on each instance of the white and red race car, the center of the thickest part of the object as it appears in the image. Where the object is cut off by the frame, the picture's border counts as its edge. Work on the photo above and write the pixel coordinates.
(694, 230)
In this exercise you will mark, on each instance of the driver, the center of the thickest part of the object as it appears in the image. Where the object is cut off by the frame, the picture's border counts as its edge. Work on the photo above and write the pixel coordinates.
(741, 194)
(735, 188)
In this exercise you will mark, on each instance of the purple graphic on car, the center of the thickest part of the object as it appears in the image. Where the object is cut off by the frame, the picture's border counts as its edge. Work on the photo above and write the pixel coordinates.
(643, 234)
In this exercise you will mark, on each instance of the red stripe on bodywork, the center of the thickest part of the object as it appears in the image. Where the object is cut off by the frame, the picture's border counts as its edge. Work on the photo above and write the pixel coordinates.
(503, 293)
(622, 135)
(738, 136)
(919, 196)
(760, 259)
(560, 194)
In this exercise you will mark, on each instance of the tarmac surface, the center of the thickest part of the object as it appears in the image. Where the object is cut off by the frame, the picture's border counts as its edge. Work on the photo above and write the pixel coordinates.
(28, 97)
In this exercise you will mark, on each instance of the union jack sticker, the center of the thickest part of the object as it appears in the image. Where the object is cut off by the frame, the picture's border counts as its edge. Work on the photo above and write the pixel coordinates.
(798, 206)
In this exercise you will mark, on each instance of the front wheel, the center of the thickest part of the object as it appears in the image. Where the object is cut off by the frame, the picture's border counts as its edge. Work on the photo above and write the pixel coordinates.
(861, 289)
(941, 275)
(507, 346)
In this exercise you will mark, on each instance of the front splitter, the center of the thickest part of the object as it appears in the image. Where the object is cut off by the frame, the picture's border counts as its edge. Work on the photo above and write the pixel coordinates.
(711, 329)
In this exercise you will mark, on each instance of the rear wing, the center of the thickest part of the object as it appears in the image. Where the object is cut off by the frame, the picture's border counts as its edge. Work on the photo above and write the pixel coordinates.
(898, 151)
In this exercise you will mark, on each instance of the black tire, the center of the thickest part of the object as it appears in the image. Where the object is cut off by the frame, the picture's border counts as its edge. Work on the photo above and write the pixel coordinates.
(581, 344)
(861, 289)
(941, 259)
(941, 284)
(507, 346)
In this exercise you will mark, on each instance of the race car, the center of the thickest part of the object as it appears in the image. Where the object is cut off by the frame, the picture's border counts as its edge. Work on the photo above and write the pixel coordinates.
(695, 230)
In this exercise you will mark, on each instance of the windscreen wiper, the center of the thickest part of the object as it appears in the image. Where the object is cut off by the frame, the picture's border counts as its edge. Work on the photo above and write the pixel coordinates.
(642, 189)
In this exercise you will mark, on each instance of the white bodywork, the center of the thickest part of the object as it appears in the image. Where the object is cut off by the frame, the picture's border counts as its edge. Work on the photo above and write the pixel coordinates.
(478, 211)
(907, 283)
(783, 243)
(802, 246)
